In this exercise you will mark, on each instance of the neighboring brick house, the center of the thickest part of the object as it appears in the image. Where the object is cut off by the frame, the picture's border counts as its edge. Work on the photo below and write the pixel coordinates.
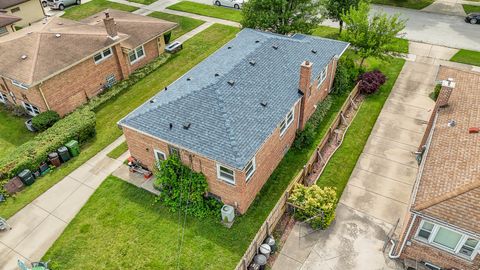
(29, 11)
(443, 226)
(6, 23)
(60, 64)
(235, 115)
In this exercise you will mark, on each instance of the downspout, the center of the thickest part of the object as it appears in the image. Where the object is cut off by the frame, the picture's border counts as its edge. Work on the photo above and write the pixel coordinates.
(43, 96)
(390, 254)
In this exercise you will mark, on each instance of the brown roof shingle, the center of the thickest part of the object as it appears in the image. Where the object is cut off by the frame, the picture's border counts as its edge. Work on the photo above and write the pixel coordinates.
(11, 3)
(6, 19)
(449, 187)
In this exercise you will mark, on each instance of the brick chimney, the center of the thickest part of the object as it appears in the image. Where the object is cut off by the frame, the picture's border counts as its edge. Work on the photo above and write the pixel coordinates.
(304, 87)
(447, 87)
(110, 26)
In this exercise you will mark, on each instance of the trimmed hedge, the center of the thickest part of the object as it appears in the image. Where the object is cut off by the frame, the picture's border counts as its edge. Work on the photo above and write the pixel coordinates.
(45, 120)
(79, 125)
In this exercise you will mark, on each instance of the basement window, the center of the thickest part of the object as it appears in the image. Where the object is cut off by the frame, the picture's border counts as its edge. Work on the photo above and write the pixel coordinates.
(287, 121)
(226, 174)
(15, 9)
(250, 169)
(32, 110)
(99, 57)
(136, 54)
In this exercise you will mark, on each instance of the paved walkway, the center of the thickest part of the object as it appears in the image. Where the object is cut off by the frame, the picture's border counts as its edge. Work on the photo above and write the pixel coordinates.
(379, 188)
(40, 223)
(449, 7)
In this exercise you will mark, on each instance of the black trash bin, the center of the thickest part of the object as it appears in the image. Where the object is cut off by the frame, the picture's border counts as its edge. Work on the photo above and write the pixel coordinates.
(27, 177)
(64, 154)
(54, 159)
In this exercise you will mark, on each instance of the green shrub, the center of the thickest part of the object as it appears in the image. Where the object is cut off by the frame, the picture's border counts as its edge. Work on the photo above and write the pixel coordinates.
(183, 189)
(346, 75)
(45, 120)
(305, 137)
(315, 204)
(79, 125)
(436, 92)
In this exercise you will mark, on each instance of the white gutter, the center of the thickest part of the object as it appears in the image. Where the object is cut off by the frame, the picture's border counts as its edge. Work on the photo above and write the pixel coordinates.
(390, 254)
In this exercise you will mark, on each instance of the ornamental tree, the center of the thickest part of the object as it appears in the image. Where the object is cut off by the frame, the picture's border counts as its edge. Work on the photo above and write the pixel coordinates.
(336, 8)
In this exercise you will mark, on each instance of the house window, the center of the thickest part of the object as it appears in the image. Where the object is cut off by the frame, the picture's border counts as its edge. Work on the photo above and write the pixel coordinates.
(19, 84)
(111, 80)
(16, 9)
(173, 151)
(250, 169)
(322, 77)
(226, 174)
(3, 30)
(102, 55)
(447, 239)
(432, 267)
(159, 156)
(287, 121)
(3, 98)
(32, 110)
(136, 54)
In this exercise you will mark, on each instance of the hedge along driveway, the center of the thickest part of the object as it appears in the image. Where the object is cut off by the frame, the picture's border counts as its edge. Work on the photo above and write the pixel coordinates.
(195, 50)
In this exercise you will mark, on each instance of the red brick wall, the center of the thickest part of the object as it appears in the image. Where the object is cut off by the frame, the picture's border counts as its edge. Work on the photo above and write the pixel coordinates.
(151, 52)
(423, 252)
(31, 96)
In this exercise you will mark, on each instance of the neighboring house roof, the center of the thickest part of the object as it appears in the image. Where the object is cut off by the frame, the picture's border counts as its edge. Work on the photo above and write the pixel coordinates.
(227, 123)
(6, 19)
(449, 185)
(11, 3)
(140, 28)
(48, 55)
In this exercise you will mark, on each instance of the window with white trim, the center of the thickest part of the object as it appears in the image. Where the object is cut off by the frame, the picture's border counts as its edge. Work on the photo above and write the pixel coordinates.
(136, 54)
(3, 98)
(226, 174)
(159, 156)
(250, 169)
(448, 239)
(32, 110)
(99, 57)
(287, 121)
(20, 84)
(322, 77)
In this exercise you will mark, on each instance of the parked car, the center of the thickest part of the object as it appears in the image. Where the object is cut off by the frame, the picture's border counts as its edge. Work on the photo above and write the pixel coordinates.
(237, 4)
(62, 4)
(473, 18)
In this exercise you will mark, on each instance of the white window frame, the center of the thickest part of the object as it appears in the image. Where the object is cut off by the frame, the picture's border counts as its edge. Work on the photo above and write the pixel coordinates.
(456, 250)
(252, 163)
(31, 109)
(322, 77)
(102, 54)
(155, 153)
(19, 84)
(135, 52)
(227, 180)
(286, 122)
(3, 98)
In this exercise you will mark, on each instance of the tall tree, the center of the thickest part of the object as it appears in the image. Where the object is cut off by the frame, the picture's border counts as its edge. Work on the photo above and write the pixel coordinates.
(336, 8)
(371, 36)
(282, 16)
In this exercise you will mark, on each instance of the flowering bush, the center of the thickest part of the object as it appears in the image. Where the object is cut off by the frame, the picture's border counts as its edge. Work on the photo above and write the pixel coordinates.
(314, 202)
(370, 82)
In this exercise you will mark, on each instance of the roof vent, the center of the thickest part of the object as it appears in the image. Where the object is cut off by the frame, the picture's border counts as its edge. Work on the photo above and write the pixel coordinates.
(231, 82)
(165, 89)
(314, 51)
(252, 62)
(57, 35)
(216, 74)
(452, 123)
(187, 125)
(264, 104)
(275, 47)
(229, 47)
(24, 56)
(152, 100)
(257, 41)
(189, 79)
(170, 126)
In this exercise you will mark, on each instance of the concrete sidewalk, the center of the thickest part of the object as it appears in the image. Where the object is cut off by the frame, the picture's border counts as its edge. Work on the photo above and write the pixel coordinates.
(40, 223)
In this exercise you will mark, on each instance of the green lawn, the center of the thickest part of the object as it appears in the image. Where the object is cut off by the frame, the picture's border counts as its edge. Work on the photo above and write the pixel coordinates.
(338, 170)
(118, 151)
(12, 131)
(208, 10)
(471, 8)
(143, 2)
(84, 10)
(467, 57)
(400, 45)
(195, 50)
(414, 4)
(185, 24)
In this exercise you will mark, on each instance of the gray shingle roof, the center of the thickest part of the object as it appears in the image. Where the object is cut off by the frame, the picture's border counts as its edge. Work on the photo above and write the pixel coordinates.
(228, 123)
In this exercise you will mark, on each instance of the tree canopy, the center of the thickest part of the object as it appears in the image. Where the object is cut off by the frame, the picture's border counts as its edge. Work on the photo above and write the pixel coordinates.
(336, 8)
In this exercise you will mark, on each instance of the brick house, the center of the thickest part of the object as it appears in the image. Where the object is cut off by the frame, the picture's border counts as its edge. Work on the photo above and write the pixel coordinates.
(42, 67)
(6, 23)
(443, 225)
(235, 115)
(29, 11)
